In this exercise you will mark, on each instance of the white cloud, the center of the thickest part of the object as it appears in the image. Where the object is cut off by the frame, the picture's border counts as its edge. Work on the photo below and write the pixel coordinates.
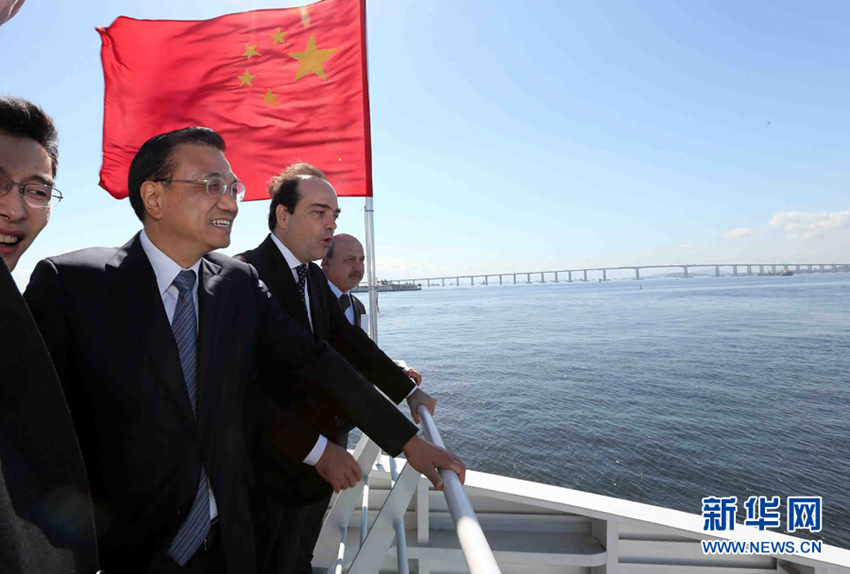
(805, 225)
(738, 233)
(687, 246)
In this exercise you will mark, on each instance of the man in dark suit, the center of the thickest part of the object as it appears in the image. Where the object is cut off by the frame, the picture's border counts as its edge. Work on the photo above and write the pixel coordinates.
(302, 218)
(155, 343)
(46, 522)
(344, 265)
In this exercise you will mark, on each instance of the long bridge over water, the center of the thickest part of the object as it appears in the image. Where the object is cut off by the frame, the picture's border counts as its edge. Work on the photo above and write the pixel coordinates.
(601, 273)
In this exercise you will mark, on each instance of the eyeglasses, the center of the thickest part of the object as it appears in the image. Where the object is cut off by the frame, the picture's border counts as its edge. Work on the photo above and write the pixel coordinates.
(39, 195)
(216, 186)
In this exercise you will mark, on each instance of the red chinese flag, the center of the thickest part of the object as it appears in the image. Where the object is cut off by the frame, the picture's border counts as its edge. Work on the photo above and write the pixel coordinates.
(278, 85)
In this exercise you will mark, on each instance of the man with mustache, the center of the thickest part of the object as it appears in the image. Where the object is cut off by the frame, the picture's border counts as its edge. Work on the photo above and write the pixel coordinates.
(343, 265)
(302, 219)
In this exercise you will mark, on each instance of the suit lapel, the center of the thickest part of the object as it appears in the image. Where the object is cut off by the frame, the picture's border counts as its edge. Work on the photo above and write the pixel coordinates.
(282, 284)
(133, 285)
(212, 345)
(358, 309)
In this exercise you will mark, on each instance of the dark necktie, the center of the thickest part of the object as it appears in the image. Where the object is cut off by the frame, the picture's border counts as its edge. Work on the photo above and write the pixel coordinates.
(196, 526)
(302, 281)
(344, 301)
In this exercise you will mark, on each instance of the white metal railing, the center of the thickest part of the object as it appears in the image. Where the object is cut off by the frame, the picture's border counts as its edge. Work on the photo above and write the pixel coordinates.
(400, 534)
(389, 523)
(479, 557)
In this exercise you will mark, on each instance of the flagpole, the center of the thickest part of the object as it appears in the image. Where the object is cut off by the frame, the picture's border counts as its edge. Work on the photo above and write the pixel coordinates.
(369, 210)
(369, 215)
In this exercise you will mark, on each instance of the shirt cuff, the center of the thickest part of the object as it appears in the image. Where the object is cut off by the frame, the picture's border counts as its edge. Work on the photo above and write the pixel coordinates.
(403, 365)
(317, 452)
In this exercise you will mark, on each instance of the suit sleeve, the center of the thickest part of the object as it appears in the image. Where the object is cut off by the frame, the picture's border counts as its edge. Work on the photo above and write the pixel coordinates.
(364, 355)
(320, 372)
(286, 435)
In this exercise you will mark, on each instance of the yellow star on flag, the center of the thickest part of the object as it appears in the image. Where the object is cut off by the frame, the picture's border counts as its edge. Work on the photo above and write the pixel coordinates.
(311, 59)
(250, 51)
(278, 37)
(270, 98)
(246, 78)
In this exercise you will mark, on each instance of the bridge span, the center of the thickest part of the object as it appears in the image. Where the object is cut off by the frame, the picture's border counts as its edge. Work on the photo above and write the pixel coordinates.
(601, 273)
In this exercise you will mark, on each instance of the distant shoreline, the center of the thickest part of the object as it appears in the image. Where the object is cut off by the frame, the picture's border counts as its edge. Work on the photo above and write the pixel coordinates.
(387, 287)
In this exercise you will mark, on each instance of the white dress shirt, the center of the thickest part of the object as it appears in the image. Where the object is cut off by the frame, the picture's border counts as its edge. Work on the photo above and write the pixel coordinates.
(166, 270)
(319, 448)
(293, 262)
(349, 312)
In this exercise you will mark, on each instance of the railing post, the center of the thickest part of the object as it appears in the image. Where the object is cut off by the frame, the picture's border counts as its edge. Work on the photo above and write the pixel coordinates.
(423, 513)
(400, 534)
(364, 511)
(340, 556)
(335, 526)
(608, 534)
(373, 550)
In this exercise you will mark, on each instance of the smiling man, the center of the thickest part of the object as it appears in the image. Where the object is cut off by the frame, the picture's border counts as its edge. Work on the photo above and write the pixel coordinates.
(293, 494)
(46, 522)
(28, 158)
(155, 343)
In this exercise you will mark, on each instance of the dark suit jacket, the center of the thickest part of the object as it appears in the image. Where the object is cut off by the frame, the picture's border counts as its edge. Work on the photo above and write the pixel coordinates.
(102, 317)
(359, 309)
(46, 522)
(329, 324)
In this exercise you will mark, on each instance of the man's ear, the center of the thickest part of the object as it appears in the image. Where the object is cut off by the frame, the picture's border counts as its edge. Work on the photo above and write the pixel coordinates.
(282, 216)
(151, 193)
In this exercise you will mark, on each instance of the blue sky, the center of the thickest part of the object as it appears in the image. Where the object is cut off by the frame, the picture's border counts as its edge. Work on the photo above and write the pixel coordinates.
(529, 135)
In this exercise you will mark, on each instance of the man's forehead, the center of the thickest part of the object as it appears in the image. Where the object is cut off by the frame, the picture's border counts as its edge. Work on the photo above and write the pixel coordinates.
(24, 157)
(201, 160)
(348, 247)
(316, 190)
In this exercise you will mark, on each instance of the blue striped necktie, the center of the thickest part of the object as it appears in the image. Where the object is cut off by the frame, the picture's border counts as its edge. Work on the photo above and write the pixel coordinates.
(196, 526)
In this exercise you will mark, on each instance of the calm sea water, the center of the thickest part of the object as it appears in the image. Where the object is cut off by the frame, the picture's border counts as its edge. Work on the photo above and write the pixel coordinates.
(663, 394)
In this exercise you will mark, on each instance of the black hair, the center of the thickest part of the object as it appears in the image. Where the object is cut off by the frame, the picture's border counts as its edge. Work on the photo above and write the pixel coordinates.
(154, 160)
(283, 188)
(24, 119)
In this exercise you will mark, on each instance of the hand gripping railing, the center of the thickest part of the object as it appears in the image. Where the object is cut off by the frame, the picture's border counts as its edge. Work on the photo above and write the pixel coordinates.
(479, 557)
(389, 523)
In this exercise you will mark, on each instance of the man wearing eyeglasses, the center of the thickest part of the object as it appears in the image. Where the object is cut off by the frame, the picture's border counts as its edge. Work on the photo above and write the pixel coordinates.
(156, 344)
(30, 154)
(46, 522)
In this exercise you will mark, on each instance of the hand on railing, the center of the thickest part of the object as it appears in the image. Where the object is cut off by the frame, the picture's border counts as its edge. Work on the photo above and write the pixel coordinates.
(413, 374)
(338, 468)
(428, 458)
(420, 398)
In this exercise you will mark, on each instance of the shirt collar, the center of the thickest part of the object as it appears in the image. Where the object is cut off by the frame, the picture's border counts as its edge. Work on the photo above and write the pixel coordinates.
(291, 260)
(335, 289)
(164, 268)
